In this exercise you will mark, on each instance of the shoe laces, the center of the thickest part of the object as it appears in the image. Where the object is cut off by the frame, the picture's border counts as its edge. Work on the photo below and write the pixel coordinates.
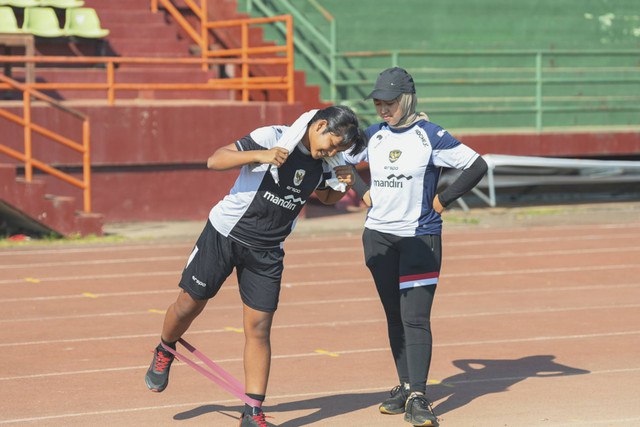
(259, 419)
(395, 390)
(399, 389)
(162, 361)
(422, 401)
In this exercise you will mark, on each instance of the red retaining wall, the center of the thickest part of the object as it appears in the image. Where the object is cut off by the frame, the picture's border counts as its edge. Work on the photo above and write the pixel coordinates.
(149, 160)
(558, 144)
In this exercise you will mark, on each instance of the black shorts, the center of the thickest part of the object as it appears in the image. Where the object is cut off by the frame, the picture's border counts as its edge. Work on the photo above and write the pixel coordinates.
(212, 260)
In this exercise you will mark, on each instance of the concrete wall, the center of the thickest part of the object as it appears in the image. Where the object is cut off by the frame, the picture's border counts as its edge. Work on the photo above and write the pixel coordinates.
(148, 161)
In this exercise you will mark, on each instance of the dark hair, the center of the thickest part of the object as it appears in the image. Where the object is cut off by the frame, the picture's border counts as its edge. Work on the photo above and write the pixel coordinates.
(342, 121)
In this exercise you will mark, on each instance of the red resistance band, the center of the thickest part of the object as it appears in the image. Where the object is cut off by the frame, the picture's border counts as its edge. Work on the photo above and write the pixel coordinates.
(218, 376)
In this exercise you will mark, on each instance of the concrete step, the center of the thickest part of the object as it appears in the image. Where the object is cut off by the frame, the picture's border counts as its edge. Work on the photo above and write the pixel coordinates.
(7, 178)
(87, 224)
(157, 74)
(134, 17)
(168, 46)
(146, 30)
(29, 196)
(29, 206)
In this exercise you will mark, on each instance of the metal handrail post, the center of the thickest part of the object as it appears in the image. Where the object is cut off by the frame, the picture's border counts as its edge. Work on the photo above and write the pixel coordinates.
(111, 80)
(332, 61)
(86, 165)
(28, 164)
(204, 34)
(492, 187)
(290, 63)
(539, 91)
(245, 63)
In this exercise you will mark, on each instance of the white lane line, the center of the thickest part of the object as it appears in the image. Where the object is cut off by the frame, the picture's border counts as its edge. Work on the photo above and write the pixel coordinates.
(545, 253)
(232, 287)
(358, 263)
(226, 287)
(341, 301)
(289, 285)
(623, 422)
(142, 260)
(354, 249)
(590, 421)
(196, 332)
(307, 325)
(544, 270)
(104, 261)
(93, 249)
(467, 242)
(290, 396)
(175, 273)
(340, 352)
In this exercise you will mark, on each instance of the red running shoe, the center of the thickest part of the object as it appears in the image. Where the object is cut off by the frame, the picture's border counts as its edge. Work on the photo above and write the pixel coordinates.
(157, 376)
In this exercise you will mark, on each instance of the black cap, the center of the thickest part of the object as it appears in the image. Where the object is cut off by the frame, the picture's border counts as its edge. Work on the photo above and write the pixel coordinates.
(392, 83)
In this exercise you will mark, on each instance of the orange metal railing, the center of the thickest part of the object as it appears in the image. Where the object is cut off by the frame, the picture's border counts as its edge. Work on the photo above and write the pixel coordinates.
(244, 52)
(30, 127)
(111, 66)
(243, 58)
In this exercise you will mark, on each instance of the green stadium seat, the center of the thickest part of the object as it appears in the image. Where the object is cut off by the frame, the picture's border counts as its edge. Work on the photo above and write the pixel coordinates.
(21, 3)
(8, 21)
(84, 22)
(62, 4)
(42, 22)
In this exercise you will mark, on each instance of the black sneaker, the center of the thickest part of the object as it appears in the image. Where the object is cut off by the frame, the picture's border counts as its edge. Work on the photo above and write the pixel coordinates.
(395, 402)
(157, 376)
(255, 419)
(419, 412)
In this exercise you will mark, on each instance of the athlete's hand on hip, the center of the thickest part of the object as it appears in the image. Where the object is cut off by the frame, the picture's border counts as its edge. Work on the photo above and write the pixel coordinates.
(437, 205)
(275, 156)
(344, 174)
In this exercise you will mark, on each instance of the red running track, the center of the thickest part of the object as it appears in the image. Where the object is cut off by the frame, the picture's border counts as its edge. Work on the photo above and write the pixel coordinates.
(532, 327)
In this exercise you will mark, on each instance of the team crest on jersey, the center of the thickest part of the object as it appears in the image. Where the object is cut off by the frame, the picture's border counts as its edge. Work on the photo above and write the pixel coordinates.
(298, 177)
(394, 155)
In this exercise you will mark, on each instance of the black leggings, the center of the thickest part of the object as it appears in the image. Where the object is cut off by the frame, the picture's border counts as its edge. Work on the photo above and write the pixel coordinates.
(408, 311)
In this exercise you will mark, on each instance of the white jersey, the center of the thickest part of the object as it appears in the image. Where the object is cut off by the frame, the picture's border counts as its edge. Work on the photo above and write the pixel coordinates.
(405, 166)
(258, 212)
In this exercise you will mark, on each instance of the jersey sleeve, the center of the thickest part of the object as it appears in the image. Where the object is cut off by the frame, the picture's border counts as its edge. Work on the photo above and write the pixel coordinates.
(262, 138)
(355, 159)
(448, 152)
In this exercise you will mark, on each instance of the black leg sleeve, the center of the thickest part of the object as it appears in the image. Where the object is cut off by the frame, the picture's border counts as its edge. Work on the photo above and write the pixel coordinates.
(416, 316)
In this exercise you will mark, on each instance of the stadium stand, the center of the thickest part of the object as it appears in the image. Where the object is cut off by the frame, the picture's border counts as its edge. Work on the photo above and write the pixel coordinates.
(478, 64)
(42, 22)
(8, 21)
(62, 4)
(84, 22)
(21, 3)
(153, 140)
(149, 143)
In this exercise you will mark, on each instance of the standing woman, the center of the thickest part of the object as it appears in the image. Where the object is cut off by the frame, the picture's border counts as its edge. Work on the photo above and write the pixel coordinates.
(402, 235)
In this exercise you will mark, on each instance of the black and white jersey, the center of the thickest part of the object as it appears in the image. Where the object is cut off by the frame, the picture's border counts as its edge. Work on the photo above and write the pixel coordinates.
(405, 166)
(258, 212)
